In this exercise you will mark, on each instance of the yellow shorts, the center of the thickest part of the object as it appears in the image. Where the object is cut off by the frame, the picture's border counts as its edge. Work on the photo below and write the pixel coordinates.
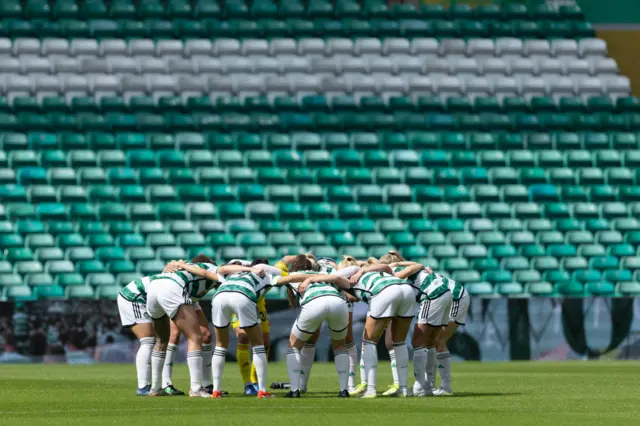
(264, 318)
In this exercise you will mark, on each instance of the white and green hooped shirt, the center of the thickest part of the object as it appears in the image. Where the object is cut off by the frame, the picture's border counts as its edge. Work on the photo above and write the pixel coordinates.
(429, 286)
(371, 284)
(136, 291)
(247, 284)
(315, 290)
(194, 287)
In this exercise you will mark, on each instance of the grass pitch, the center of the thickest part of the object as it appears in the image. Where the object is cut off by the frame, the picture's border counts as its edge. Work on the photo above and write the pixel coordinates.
(571, 393)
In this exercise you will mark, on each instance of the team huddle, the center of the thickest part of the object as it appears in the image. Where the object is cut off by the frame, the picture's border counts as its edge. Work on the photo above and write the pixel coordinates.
(161, 307)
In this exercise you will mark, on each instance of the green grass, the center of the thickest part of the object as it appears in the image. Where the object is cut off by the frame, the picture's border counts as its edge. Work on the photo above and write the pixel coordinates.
(581, 393)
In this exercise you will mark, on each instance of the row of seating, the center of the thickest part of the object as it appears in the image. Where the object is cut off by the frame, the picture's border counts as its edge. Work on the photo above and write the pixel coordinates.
(116, 161)
(312, 47)
(204, 225)
(252, 85)
(307, 103)
(322, 122)
(294, 27)
(403, 65)
(182, 9)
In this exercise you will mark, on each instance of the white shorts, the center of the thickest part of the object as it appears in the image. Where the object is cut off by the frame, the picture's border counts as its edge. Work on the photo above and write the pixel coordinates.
(132, 313)
(459, 309)
(227, 303)
(435, 312)
(164, 297)
(331, 309)
(393, 301)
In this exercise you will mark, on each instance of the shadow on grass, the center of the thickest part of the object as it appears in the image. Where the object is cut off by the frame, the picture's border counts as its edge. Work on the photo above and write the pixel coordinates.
(456, 395)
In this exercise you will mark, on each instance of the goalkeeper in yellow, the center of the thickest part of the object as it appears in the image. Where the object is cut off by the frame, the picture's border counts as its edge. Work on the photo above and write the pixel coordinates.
(247, 369)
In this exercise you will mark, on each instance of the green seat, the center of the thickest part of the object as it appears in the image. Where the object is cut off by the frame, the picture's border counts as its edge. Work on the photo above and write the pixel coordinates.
(602, 289)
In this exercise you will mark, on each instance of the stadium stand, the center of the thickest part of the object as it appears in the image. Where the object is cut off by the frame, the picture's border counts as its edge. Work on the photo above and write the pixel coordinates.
(498, 144)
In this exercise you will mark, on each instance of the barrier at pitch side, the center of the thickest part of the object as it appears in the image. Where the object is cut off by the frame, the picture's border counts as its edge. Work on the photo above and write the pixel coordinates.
(89, 331)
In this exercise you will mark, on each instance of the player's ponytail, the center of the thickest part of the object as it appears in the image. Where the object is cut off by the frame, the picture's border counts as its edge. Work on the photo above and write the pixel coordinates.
(372, 261)
(291, 297)
(391, 257)
(300, 263)
(347, 261)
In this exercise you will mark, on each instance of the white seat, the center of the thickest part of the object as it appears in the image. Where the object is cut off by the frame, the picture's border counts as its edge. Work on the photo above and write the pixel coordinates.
(603, 66)
(336, 85)
(18, 83)
(123, 65)
(352, 64)
(75, 83)
(253, 83)
(589, 86)
(47, 83)
(201, 47)
(226, 46)
(436, 65)
(65, 64)
(407, 64)
(283, 46)
(26, 46)
(564, 47)
(193, 84)
(264, 64)
(50, 46)
(537, 47)
(391, 84)
(421, 84)
(152, 65)
(339, 46)
(453, 46)
(520, 65)
(80, 47)
(10, 65)
(134, 83)
(182, 66)
(592, 47)
(169, 47)
(141, 47)
(477, 86)
(208, 65)
(105, 83)
(219, 83)
(549, 66)
(305, 83)
(294, 64)
(113, 47)
(311, 46)
(395, 45)
(381, 64)
(163, 83)
(325, 65)
(464, 65)
(448, 85)
(480, 47)
(560, 86)
(425, 46)
(617, 85)
(502, 85)
(576, 66)
(233, 64)
(490, 66)
(6, 47)
(532, 86)
(508, 46)
(361, 82)
(255, 47)
(94, 65)
(368, 46)
(278, 84)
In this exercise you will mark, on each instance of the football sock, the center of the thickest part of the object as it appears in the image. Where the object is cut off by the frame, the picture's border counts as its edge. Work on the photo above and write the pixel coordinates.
(352, 351)
(307, 355)
(394, 366)
(217, 366)
(157, 365)
(420, 366)
(254, 374)
(402, 364)
(370, 355)
(243, 359)
(143, 360)
(260, 360)
(194, 361)
(363, 373)
(341, 358)
(293, 368)
(444, 368)
(207, 353)
(431, 367)
(167, 370)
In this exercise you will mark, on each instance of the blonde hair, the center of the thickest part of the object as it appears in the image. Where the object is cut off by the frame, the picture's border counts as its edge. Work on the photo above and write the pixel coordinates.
(372, 261)
(391, 257)
(347, 261)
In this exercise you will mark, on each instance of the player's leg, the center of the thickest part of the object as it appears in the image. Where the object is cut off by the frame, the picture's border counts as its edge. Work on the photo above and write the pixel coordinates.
(352, 351)
(293, 363)
(266, 338)
(167, 370)
(443, 358)
(373, 329)
(163, 330)
(186, 318)
(146, 336)
(221, 313)
(249, 321)
(399, 331)
(207, 350)
(305, 328)
(307, 356)
(243, 356)
(392, 390)
(338, 323)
